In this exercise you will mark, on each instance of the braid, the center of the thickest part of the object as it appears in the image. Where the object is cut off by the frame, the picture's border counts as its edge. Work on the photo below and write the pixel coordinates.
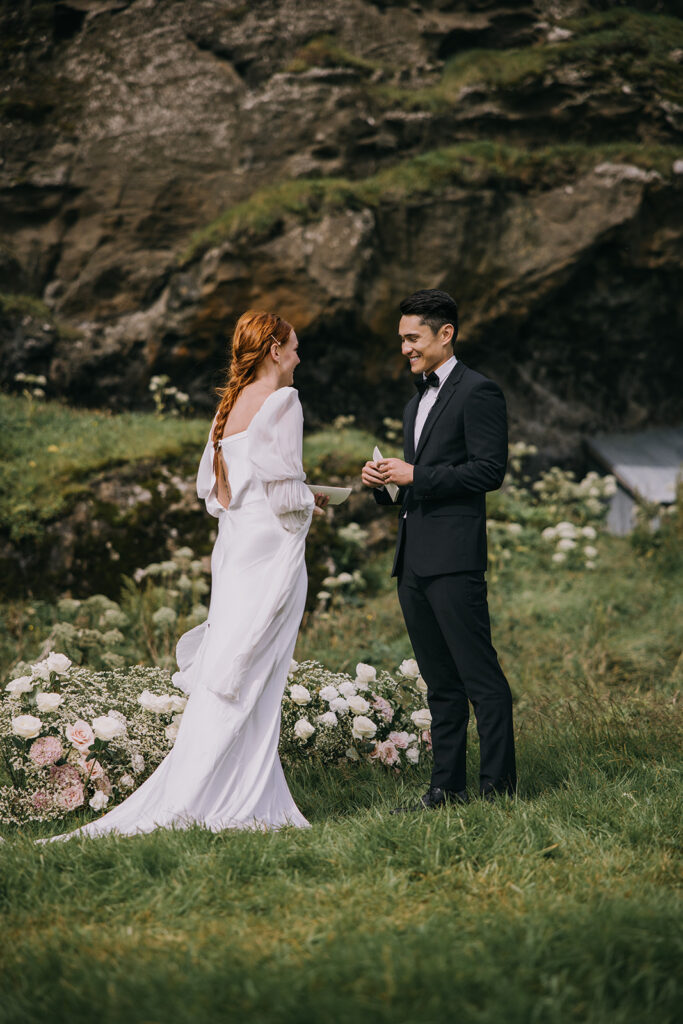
(254, 334)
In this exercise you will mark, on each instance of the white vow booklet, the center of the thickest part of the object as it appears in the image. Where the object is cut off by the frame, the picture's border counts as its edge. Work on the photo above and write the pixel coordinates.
(392, 489)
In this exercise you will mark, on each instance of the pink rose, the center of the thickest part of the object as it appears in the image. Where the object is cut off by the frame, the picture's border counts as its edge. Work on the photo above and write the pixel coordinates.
(70, 797)
(41, 800)
(80, 734)
(104, 785)
(427, 738)
(45, 750)
(399, 739)
(383, 707)
(65, 775)
(91, 769)
(386, 752)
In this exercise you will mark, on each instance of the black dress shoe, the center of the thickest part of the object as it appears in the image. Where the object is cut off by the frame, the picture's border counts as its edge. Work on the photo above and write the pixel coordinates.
(490, 792)
(435, 797)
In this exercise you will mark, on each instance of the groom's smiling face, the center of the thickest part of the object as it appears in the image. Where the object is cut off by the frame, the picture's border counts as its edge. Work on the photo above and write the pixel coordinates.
(424, 349)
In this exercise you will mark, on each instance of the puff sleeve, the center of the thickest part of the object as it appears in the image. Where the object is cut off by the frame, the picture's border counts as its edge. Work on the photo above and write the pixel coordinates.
(206, 480)
(275, 451)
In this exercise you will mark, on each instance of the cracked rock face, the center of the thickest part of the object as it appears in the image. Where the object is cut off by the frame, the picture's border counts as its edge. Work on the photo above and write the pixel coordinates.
(166, 165)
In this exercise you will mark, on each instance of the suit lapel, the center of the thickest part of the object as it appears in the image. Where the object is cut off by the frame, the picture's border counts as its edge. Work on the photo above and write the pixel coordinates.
(442, 399)
(409, 431)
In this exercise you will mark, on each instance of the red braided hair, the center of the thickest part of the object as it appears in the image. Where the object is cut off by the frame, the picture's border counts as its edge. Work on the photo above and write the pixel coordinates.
(254, 334)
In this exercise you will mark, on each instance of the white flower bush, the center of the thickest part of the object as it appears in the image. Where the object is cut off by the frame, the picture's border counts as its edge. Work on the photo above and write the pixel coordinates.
(342, 723)
(95, 738)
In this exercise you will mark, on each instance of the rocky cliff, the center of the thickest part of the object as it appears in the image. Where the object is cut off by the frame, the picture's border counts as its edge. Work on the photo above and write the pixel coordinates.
(166, 165)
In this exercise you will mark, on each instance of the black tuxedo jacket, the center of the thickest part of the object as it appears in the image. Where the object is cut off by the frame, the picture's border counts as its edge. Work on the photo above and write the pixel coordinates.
(462, 453)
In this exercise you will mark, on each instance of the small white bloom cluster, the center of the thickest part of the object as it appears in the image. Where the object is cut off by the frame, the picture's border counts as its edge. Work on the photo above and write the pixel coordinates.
(392, 428)
(163, 392)
(557, 489)
(569, 544)
(34, 383)
(98, 632)
(330, 716)
(342, 422)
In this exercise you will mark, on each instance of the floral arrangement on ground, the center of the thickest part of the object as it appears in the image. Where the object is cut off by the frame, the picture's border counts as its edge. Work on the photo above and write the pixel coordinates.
(71, 736)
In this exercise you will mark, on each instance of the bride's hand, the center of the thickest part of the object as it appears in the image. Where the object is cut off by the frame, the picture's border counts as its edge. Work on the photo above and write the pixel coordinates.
(321, 503)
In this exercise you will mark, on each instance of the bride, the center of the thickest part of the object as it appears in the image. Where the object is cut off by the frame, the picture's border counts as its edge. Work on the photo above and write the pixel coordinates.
(224, 770)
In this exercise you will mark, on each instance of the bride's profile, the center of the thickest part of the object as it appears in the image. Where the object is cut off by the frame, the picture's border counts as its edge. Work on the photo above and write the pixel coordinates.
(224, 770)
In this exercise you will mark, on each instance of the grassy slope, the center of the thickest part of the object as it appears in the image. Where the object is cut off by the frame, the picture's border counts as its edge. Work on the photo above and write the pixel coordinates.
(38, 483)
(561, 906)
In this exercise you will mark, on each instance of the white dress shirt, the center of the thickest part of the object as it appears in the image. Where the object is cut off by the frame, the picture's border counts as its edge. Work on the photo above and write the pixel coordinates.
(430, 395)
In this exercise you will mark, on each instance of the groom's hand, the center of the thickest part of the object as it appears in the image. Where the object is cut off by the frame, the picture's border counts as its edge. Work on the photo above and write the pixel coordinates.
(370, 475)
(395, 471)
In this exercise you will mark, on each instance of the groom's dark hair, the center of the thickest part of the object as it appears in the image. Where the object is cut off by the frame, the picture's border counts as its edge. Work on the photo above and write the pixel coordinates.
(434, 308)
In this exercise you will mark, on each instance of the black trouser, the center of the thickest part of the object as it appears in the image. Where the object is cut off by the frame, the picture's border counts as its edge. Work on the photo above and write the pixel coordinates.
(447, 618)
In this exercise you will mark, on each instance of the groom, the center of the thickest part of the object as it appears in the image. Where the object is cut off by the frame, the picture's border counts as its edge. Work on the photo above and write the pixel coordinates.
(455, 445)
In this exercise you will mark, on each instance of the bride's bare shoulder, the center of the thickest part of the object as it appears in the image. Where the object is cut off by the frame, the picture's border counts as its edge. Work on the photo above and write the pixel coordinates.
(249, 401)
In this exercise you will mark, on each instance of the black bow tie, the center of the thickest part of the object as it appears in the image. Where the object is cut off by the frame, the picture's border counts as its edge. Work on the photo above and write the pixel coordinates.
(422, 383)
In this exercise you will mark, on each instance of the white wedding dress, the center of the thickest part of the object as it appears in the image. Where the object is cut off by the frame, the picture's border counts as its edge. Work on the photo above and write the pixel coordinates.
(224, 770)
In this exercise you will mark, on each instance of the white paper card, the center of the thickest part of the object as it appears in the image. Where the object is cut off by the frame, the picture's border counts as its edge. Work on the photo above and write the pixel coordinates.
(392, 489)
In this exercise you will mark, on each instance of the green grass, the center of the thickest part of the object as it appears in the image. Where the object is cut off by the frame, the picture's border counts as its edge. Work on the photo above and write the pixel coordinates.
(560, 906)
(325, 52)
(38, 484)
(428, 174)
(628, 43)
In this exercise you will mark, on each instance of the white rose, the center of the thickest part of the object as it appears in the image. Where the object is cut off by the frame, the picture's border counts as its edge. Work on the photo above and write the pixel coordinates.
(58, 663)
(413, 755)
(566, 544)
(106, 728)
(590, 565)
(23, 684)
(171, 731)
(48, 701)
(300, 694)
(340, 705)
(550, 533)
(127, 781)
(347, 689)
(421, 685)
(589, 532)
(559, 556)
(303, 729)
(177, 702)
(363, 728)
(344, 577)
(365, 673)
(293, 667)
(422, 718)
(514, 528)
(409, 668)
(41, 671)
(589, 551)
(117, 714)
(148, 700)
(328, 693)
(26, 726)
(358, 705)
(565, 529)
(159, 704)
(329, 719)
(99, 800)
